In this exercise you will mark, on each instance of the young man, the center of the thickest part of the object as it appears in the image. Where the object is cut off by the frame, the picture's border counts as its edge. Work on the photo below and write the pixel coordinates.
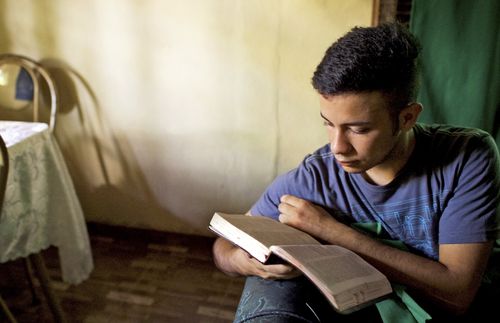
(436, 188)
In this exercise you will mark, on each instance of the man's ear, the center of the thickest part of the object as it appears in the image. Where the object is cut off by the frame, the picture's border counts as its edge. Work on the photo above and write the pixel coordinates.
(409, 115)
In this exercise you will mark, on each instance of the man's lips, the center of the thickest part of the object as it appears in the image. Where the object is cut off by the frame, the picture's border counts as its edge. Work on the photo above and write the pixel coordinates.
(346, 162)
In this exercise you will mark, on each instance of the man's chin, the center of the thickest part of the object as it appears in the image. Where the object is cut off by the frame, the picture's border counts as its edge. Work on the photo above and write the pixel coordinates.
(351, 166)
(352, 169)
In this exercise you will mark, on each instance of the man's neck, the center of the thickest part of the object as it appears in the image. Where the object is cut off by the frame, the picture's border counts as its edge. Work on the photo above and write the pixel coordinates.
(386, 172)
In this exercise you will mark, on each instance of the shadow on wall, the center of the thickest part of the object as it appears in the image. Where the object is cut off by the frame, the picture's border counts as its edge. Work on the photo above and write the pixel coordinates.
(105, 173)
(107, 177)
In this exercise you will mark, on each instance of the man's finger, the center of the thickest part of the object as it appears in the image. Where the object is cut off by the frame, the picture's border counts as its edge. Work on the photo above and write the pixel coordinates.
(285, 208)
(291, 199)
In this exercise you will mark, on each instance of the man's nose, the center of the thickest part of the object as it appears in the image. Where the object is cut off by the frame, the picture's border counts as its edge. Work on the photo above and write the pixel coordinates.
(340, 144)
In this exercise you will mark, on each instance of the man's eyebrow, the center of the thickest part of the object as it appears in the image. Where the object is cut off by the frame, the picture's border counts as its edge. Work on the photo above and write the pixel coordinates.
(354, 123)
(322, 116)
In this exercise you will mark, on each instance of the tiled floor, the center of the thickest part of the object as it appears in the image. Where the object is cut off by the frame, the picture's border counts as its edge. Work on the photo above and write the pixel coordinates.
(139, 276)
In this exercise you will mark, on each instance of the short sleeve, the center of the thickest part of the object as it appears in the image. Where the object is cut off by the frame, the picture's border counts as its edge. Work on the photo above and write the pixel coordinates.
(267, 204)
(472, 213)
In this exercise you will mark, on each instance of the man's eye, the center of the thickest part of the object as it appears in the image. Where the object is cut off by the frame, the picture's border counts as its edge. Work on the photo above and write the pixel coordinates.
(360, 130)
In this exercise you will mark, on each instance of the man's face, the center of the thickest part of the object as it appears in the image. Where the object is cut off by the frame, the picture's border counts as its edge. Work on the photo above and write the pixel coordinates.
(361, 130)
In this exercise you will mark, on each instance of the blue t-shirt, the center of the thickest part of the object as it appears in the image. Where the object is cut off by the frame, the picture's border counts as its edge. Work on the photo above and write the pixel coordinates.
(448, 192)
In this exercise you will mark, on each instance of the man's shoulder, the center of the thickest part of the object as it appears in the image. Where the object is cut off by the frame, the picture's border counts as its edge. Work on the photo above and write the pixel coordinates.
(453, 147)
(318, 166)
(443, 137)
(320, 155)
(449, 131)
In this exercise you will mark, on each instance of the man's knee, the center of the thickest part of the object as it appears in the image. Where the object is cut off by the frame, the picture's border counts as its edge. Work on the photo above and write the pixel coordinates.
(275, 301)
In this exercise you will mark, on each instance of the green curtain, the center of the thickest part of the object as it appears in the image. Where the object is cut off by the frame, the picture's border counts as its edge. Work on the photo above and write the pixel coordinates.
(461, 62)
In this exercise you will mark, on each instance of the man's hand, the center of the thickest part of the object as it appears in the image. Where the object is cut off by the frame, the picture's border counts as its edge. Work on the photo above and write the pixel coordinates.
(304, 215)
(235, 261)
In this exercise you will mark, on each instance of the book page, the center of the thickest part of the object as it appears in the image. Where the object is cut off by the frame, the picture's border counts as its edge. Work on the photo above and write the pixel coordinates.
(344, 277)
(335, 265)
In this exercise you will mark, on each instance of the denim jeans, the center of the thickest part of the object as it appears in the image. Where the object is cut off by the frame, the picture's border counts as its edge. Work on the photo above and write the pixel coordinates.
(294, 300)
(298, 300)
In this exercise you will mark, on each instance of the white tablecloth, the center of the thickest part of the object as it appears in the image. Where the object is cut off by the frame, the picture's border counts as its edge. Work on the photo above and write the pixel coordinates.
(41, 208)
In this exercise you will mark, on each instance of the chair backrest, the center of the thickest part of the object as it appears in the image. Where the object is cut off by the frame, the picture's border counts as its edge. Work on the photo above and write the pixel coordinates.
(27, 85)
(4, 171)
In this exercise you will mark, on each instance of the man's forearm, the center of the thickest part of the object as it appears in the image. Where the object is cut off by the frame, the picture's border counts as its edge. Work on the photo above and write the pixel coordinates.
(449, 288)
(222, 252)
(400, 266)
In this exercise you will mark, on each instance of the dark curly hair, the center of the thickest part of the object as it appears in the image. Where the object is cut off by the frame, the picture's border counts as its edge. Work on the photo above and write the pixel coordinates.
(382, 58)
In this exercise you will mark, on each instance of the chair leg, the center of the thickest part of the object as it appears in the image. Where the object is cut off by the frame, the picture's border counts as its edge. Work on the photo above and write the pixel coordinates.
(52, 299)
(29, 272)
(7, 312)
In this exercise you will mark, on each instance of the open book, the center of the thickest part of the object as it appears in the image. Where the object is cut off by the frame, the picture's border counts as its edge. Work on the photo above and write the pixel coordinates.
(346, 279)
